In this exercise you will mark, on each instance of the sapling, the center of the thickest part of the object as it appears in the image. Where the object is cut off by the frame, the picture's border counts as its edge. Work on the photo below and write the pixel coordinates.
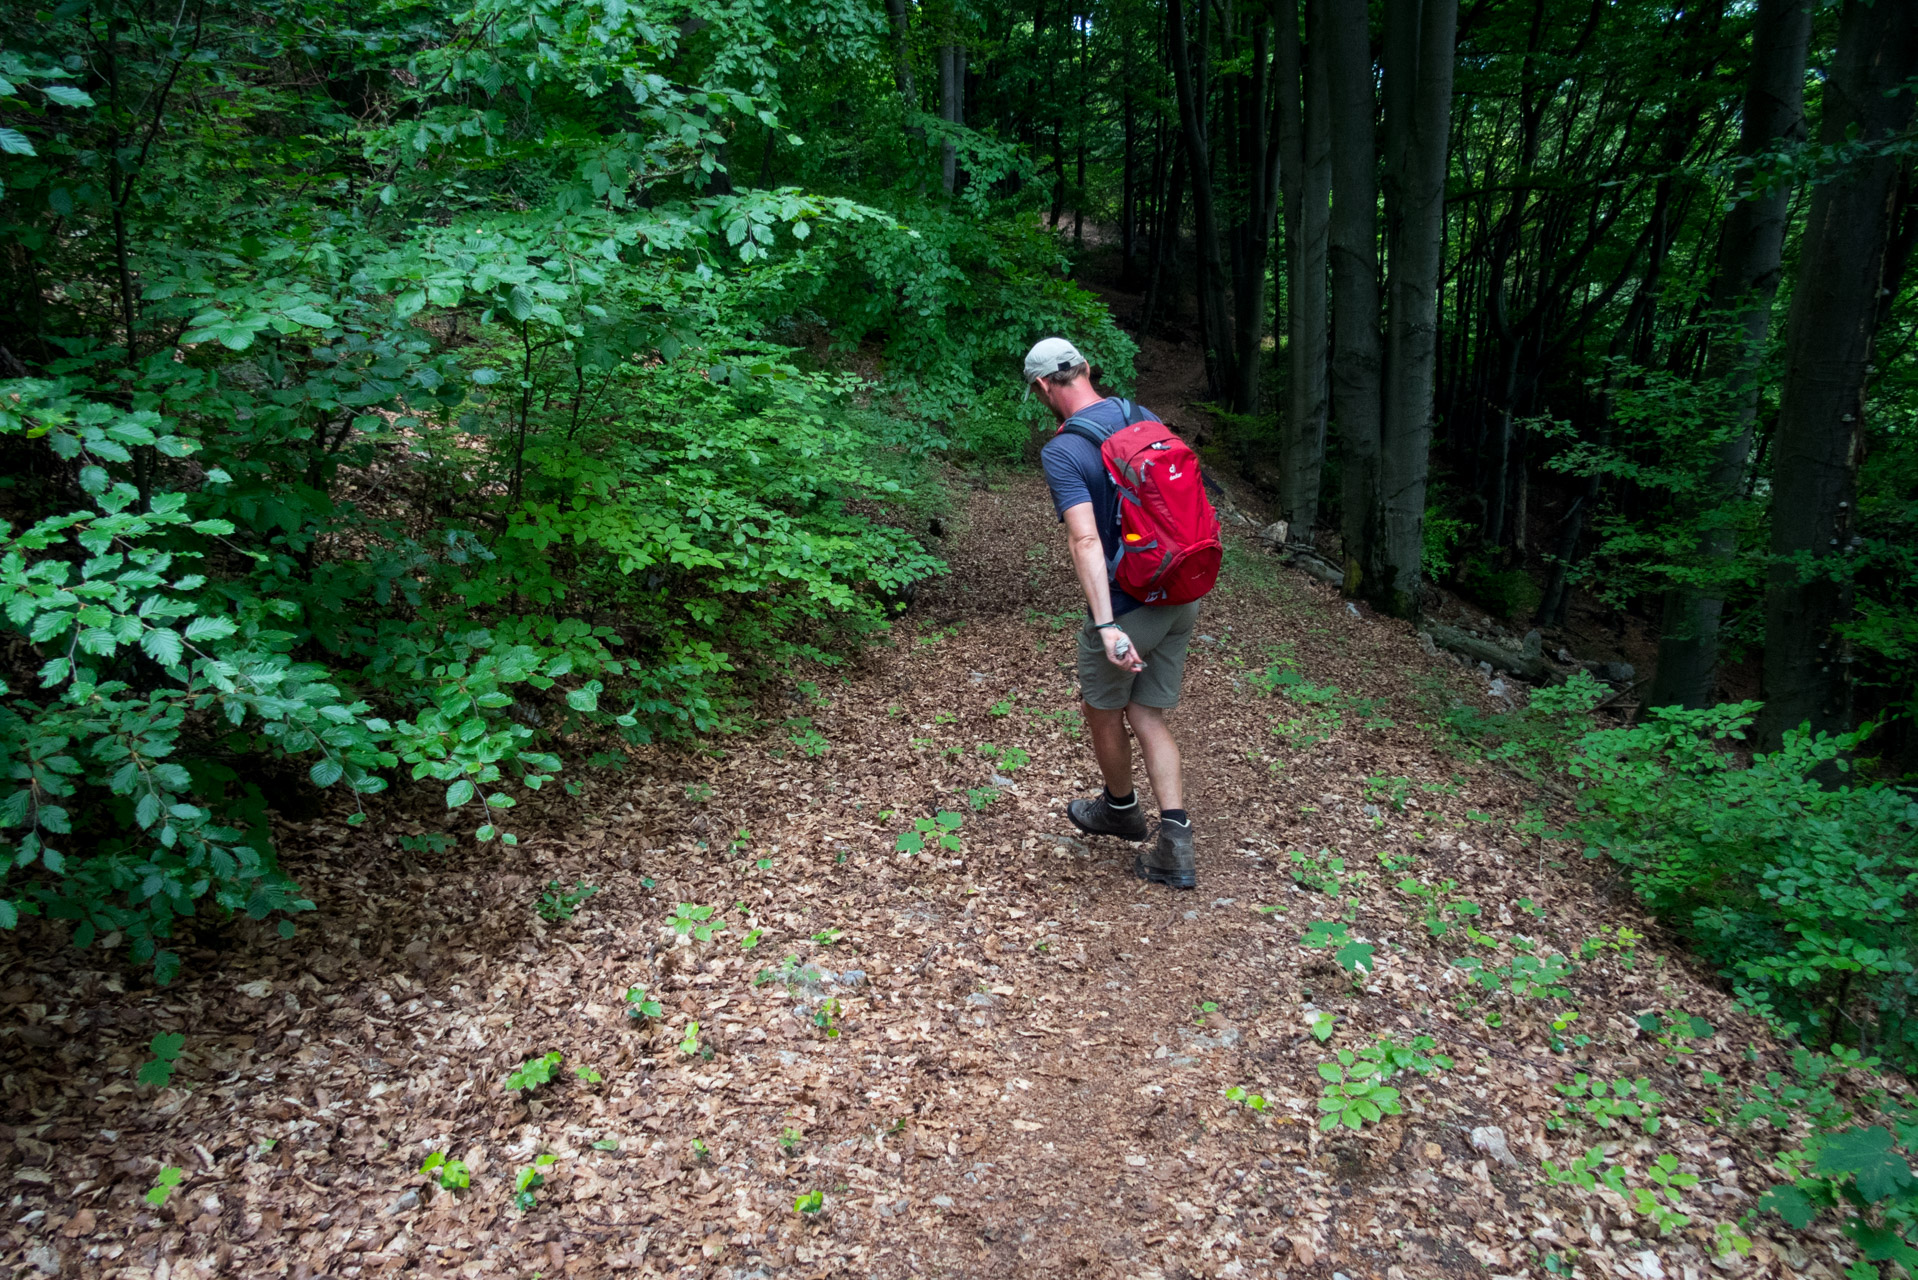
(451, 1175)
(166, 1051)
(170, 1177)
(534, 1072)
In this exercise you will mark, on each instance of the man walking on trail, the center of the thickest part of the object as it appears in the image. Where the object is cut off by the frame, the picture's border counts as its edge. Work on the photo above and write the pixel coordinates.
(1131, 655)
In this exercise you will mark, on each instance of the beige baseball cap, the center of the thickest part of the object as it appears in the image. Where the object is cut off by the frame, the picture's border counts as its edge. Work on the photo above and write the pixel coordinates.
(1051, 355)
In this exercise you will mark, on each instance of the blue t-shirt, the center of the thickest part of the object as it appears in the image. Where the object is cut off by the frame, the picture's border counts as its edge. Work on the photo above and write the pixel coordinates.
(1075, 473)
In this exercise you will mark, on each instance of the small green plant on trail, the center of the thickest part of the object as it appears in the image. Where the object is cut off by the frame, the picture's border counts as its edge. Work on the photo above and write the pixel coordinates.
(942, 829)
(1353, 956)
(1438, 901)
(1321, 1024)
(559, 903)
(1001, 708)
(1534, 739)
(1809, 1091)
(1323, 872)
(826, 1017)
(166, 1050)
(530, 1179)
(1008, 759)
(701, 1152)
(170, 1177)
(1622, 942)
(980, 797)
(534, 1072)
(640, 1005)
(451, 1175)
(689, 918)
(1389, 791)
(808, 740)
(1606, 1103)
(1070, 722)
(790, 973)
(1252, 1101)
(1396, 862)
(1562, 1023)
(1357, 1091)
(434, 842)
(1594, 1169)
(828, 936)
(944, 717)
(1672, 1030)
(589, 1075)
(751, 940)
(698, 792)
(1526, 977)
(809, 1203)
(741, 841)
(689, 1043)
(790, 1140)
(1201, 1008)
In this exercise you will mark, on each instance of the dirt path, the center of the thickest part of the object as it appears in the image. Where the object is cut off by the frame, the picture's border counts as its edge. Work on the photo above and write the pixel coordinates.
(1008, 1059)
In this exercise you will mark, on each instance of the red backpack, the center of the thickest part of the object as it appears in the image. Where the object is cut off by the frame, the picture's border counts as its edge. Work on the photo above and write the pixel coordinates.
(1169, 548)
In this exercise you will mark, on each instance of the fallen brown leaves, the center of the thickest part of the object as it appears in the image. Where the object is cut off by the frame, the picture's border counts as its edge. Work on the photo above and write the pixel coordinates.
(1022, 1080)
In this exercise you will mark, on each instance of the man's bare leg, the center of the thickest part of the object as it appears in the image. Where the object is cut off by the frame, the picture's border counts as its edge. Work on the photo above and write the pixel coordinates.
(1112, 747)
(1160, 751)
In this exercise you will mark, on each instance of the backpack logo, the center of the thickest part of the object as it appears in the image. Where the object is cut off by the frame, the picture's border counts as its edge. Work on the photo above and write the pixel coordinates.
(1169, 548)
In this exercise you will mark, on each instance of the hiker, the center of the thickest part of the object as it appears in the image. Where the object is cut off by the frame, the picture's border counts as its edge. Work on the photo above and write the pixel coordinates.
(1142, 572)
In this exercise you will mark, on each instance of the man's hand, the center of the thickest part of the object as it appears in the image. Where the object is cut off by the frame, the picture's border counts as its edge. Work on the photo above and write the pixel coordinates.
(1121, 652)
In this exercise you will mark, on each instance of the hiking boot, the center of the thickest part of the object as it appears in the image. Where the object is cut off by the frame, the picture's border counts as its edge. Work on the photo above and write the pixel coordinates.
(1097, 817)
(1170, 861)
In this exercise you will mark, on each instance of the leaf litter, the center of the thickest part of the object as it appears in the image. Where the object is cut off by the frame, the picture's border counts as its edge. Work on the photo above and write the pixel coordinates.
(990, 1054)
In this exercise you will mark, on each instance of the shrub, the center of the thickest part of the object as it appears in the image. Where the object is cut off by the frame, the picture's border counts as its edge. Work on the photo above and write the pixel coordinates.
(1510, 593)
(1803, 894)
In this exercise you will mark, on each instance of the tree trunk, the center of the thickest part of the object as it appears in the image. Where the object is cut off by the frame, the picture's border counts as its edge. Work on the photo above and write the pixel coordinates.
(1420, 40)
(1259, 154)
(1353, 241)
(1307, 173)
(1750, 250)
(1129, 195)
(1165, 249)
(1215, 325)
(901, 62)
(952, 63)
(1828, 340)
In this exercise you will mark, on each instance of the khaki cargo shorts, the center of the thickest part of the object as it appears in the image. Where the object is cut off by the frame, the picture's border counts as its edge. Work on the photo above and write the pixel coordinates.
(1160, 635)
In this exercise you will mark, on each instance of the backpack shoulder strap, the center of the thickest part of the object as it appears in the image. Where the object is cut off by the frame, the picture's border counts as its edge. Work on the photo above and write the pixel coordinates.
(1086, 429)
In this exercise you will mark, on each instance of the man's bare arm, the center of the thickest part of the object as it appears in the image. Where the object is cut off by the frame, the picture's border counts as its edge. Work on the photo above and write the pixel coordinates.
(1089, 562)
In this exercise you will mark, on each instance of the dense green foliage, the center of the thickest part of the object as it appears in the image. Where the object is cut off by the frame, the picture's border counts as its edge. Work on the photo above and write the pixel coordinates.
(412, 392)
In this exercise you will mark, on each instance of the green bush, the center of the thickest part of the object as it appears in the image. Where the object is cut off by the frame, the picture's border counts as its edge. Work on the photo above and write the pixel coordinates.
(1803, 894)
(1509, 593)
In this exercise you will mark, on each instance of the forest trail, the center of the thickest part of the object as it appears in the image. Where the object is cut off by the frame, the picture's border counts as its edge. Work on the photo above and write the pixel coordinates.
(1032, 1049)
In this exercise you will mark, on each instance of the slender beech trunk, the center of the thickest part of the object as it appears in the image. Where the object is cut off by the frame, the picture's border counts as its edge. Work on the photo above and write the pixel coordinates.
(1306, 171)
(1353, 243)
(1165, 251)
(1750, 252)
(1418, 127)
(1259, 147)
(948, 110)
(1828, 340)
(1129, 196)
(901, 61)
(1215, 325)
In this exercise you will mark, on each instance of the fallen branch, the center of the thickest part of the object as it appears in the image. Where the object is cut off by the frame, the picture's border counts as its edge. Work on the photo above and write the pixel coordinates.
(1533, 667)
